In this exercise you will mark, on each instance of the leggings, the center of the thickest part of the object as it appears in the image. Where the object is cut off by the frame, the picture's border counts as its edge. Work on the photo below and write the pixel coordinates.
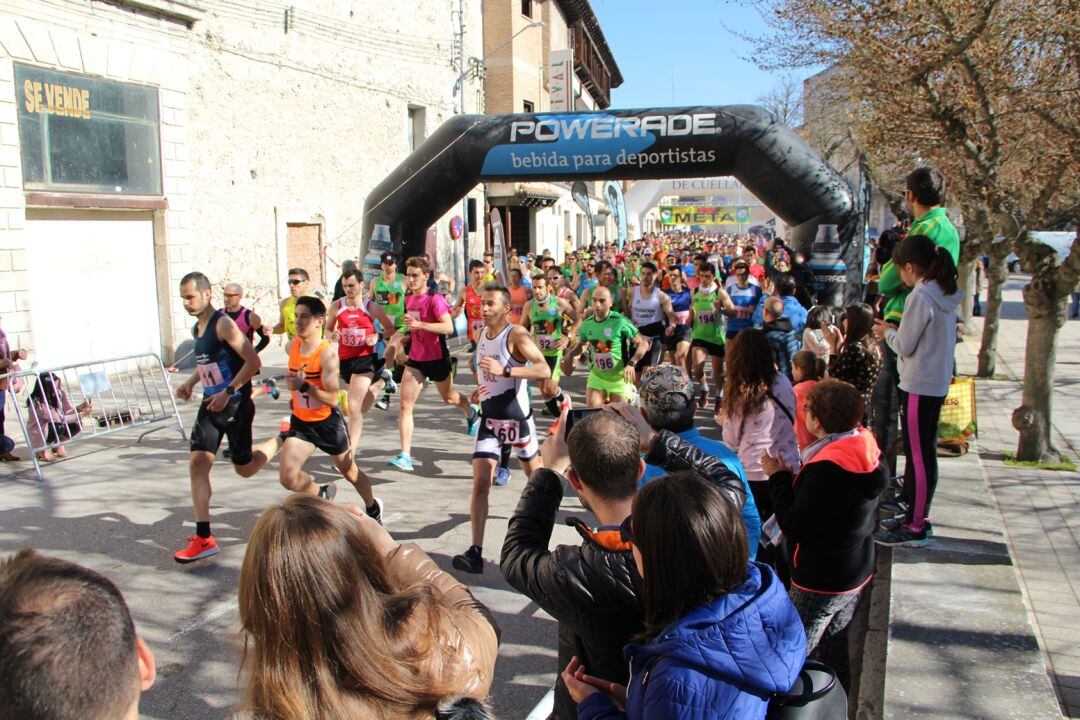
(919, 416)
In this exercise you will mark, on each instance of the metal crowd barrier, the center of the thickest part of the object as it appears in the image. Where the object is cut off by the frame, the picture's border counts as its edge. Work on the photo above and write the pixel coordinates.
(97, 398)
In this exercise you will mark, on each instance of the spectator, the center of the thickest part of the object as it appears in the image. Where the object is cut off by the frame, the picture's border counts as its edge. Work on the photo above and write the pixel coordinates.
(820, 319)
(757, 413)
(924, 347)
(784, 285)
(827, 514)
(8, 357)
(854, 354)
(667, 400)
(52, 417)
(721, 636)
(594, 589)
(783, 340)
(807, 369)
(68, 647)
(341, 621)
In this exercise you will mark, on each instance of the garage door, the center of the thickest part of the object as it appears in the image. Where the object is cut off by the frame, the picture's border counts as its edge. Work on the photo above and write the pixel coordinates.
(93, 286)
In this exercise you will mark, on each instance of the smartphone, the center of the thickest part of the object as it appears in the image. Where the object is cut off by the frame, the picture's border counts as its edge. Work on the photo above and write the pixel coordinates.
(575, 416)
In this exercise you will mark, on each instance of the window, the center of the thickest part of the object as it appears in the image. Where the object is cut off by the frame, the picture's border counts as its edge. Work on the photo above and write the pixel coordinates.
(526, 8)
(417, 126)
(528, 107)
(82, 134)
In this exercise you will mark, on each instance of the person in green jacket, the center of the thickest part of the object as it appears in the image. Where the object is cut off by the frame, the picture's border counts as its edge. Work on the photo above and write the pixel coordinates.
(925, 201)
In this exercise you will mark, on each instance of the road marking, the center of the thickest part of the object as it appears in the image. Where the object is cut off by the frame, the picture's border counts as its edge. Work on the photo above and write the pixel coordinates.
(220, 610)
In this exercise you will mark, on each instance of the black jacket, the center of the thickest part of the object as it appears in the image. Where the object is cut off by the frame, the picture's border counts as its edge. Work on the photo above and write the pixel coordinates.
(828, 513)
(592, 589)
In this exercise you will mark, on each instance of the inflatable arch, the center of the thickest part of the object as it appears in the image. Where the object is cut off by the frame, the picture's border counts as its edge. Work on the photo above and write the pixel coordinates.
(743, 141)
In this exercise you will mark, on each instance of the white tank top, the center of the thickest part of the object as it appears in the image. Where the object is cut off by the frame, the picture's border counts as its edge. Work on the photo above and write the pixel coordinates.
(645, 311)
(501, 397)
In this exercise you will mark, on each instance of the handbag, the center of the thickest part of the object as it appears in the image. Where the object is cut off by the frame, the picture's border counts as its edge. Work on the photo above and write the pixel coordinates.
(816, 695)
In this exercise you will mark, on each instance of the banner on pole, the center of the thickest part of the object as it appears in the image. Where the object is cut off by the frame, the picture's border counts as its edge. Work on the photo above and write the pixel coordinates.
(704, 215)
(614, 195)
(498, 246)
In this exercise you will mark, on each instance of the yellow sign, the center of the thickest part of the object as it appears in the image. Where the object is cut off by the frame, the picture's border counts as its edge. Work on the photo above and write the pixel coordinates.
(53, 99)
(701, 215)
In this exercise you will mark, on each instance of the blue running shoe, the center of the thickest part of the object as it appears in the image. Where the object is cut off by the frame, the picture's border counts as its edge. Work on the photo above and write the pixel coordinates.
(502, 476)
(402, 462)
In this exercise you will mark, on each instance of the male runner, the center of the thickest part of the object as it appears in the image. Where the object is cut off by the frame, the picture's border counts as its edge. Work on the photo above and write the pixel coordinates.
(225, 362)
(388, 290)
(557, 286)
(299, 286)
(709, 306)
(427, 322)
(551, 320)
(746, 293)
(251, 325)
(470, 300)
(519, 296)
(649, 307)
(351, 323)
(316, 420)
(507, 357)
(607, 334)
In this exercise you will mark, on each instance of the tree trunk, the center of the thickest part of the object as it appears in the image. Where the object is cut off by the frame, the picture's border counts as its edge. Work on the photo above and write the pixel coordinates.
(996, 275)
(965, 280)
(1046, 315)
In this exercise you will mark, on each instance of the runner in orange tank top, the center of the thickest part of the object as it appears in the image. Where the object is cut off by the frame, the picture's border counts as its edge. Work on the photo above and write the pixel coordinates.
(519, 297)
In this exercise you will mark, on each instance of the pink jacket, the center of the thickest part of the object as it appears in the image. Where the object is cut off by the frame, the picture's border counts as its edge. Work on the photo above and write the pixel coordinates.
(768, 429)
(39, 428)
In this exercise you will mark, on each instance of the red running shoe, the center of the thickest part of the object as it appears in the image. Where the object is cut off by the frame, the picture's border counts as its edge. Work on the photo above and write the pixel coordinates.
(197, 549)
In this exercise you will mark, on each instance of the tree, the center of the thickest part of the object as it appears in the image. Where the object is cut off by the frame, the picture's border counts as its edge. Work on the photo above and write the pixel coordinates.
(986, 90)
(784, 101)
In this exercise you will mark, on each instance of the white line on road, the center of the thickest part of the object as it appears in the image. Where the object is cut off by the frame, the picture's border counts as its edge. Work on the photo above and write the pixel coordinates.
(220, 610)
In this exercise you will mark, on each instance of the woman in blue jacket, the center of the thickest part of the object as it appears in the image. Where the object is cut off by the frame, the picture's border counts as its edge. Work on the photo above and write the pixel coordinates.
(721, 636)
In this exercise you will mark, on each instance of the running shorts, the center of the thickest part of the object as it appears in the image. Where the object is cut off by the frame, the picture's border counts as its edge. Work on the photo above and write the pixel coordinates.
(555, 363)
(234, 423)
(683, 333)
(363, 365)
(495, 433)
(611, 387)
(656, 349)
(712, 348)
(329, 435)
(434, 370)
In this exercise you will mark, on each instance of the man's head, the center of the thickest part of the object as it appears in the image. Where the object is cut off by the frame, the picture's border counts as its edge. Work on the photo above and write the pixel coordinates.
(785, 285)
(648, 274)
(310, 316)
(299, 282)
(554, 279)
(741, 270)
(388, 262)
(605, 458)
(195, 292)
(540, 289)
(233, 295)
(495, 306)
(416, 274)
(476, 272)
(68, 647)
(601, 302)
(925, 189)
(772, 309)
(489, 260)
(667, 397)
(348, 264)
(706, 273)
(351, 282)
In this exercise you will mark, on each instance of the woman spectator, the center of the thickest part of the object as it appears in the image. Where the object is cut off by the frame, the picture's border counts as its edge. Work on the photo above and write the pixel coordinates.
(807, 369)
(924, 345)
(819, 317)
(342, 622)
(854, 354)
(721, 635)
(757, 413)
(827, 514)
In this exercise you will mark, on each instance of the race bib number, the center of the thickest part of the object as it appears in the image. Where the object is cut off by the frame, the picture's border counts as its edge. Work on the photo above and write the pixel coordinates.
(210, 375)
(682, 317)
(546, 342)
(353, 337)
(506, 431)
(706, 318)
(603, 361)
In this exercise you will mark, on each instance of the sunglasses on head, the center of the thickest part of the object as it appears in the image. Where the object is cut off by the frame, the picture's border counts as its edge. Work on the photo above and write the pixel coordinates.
(626, 534)
(295, 281)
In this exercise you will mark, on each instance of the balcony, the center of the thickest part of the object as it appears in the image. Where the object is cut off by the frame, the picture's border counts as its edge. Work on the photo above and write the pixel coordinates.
(590, 68)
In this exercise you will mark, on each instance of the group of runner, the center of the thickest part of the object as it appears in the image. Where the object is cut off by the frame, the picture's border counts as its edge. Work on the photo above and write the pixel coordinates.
(614, 313)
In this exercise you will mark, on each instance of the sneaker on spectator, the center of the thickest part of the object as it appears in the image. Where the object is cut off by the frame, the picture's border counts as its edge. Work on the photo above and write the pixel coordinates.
(197, 549)
(892, 507)
(470, 561)
(903, 536)
(898, 522)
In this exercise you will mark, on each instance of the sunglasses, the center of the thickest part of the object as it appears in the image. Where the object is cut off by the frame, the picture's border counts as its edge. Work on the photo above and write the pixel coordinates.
(295, 281)
(232, 294)
(626, 534)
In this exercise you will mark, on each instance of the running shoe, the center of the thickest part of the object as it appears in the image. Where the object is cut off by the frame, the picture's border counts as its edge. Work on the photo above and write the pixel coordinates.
(286, 424)
(902, 537)
(502, 476)
(271, 388)
(703, 395)
(472, 423)
(566, 404)
(197, 549)
(892, 507)
(377, 513)
(402, 462)
(898, 522)
(328, 491)
(388, 377)
(383, 403)
(470, 561)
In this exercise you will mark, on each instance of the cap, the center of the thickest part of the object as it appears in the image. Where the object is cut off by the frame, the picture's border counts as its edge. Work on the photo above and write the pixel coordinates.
(662, 384)
(387, 257)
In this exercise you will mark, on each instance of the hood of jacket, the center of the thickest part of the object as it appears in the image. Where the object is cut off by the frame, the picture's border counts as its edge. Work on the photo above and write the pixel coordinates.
(780, 324)
(936, 295)
(751, 637)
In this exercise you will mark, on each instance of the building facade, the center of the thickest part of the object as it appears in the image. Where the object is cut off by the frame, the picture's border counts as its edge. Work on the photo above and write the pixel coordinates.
(144, 139)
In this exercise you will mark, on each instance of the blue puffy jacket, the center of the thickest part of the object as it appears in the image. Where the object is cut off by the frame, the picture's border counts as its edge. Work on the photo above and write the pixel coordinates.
(720, 660)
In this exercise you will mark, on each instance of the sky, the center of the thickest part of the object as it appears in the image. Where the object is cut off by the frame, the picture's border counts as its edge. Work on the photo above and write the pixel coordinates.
(680, 53)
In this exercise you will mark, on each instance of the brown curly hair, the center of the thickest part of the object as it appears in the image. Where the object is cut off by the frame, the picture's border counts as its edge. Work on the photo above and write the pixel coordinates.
(748, 374)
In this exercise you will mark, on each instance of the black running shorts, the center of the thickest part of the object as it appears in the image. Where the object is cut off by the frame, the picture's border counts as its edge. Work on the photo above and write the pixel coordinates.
(329, 435)
(234, 423)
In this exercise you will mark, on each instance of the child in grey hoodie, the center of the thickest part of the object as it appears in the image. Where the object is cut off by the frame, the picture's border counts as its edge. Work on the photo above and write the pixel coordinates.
(924, 344)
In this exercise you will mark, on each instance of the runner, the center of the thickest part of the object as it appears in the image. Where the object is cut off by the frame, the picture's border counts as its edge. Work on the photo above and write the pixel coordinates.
(607, 333)
(470, 301)
(507, 358)
(519, 296)
(586, 282)
(388, 290)
(678, 343)
(251, 325)
(351, 323)
(746, 293)
(556, 281)
(225, 363)
(299, 286)
(708, 307)
(649, 308)
(425, 355)
(316, 420)
(551, 321)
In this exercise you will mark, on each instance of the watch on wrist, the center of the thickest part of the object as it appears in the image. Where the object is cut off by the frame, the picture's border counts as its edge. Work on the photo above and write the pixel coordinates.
(304, 387)
(506, 371)
(231, 389)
